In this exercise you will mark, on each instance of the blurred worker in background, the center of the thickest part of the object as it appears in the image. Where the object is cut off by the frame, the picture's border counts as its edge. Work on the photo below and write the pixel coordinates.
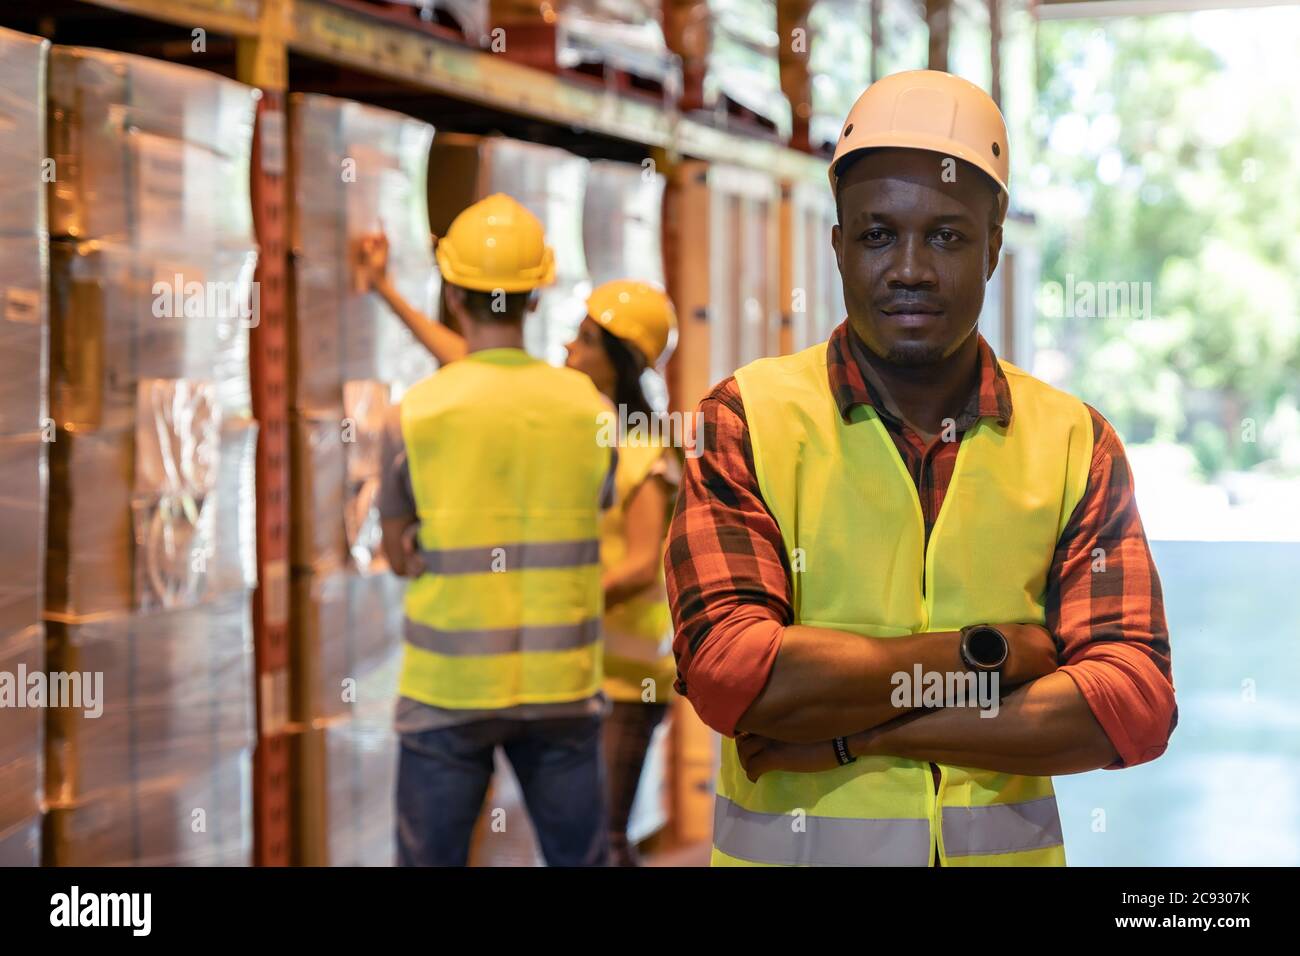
(898, 505)
(629, 327)
(494, 479)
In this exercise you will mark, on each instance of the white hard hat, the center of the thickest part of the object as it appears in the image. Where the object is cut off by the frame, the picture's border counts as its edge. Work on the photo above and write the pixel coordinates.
(931, 110)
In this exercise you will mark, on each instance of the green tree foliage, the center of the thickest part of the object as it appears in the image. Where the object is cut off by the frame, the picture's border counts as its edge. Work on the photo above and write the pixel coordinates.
(1164, 160)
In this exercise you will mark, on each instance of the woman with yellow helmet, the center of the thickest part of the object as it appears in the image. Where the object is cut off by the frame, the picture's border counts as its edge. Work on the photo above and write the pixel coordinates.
(630, 326)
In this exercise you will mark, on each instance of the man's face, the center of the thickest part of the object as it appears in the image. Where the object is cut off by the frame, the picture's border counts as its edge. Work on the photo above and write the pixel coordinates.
(914, 252)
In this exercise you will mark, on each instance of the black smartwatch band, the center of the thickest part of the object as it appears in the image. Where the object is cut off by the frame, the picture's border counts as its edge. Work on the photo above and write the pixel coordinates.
(842, 751)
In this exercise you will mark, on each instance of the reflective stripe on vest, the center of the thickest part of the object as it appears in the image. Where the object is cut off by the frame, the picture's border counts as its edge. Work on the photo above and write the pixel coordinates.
(550, 637)
(845, 503)
(508, 557)
(506, 470)
(786, 840)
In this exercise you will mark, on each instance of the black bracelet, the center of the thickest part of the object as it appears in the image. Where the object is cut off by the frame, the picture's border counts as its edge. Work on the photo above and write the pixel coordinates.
(842, 751)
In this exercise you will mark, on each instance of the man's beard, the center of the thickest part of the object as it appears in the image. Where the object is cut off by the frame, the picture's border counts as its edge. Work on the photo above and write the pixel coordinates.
(914, 354)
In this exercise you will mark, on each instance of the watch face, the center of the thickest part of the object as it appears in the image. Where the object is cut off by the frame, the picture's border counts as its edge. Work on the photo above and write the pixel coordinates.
(986, 646)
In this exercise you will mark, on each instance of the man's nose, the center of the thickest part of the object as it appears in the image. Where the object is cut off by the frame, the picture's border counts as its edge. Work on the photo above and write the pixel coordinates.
(911, 263)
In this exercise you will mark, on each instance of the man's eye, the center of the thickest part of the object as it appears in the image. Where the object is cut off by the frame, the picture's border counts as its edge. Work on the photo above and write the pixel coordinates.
(947, 235)
(874, 235)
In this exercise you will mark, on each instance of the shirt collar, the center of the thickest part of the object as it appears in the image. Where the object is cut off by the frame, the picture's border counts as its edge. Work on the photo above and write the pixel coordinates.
(992, 399)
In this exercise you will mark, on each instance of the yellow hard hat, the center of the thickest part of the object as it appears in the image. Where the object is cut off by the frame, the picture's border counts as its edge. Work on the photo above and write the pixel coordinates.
(637, 312)
(929, 109)
(496, 244)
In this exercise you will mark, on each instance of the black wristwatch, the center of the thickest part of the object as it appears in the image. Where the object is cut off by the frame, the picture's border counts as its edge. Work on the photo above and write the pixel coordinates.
(983, 647)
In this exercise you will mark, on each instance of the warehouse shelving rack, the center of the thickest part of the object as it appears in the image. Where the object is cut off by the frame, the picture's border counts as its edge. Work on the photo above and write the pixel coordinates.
(265, 34)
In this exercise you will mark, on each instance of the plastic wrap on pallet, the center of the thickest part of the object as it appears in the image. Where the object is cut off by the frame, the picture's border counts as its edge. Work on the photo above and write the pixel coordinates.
(624, 34)
(622, 223)
(366, 406)
(23, 490)
(22, 148)
(375, 609)
(321, 652)
(149, 152)
(24, 260)
(743, 62)
(22, 736)
(20, 845)
(24, 331)
(164, 694)
(361, 757)
(348, 645)
(347, 657)
(159, 515)
(118, 318)
(204, 818)
(357, 170)
(317, 539)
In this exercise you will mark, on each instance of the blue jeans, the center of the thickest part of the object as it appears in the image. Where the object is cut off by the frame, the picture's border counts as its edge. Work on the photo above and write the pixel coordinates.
(443, 776)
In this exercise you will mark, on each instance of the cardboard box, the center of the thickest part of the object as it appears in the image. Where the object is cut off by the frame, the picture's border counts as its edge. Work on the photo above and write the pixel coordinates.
(20, 845)
(200, 819)
(118, 317)
(23, 483)
(24, 333)
(22, 735)
(134, 527)
(318, 543)
(22, 148)
(356, 170)
(320, 646)
(149, 152)
(173, 695)
(347, 776)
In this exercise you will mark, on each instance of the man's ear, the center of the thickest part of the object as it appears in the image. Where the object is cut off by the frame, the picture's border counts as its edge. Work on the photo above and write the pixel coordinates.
(454, 298)
(995, 251)
(837, 243)
(534, 299)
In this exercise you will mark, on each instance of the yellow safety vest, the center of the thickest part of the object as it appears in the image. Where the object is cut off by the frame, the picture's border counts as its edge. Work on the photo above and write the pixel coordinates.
(638, 632)
(507, 471)
(842, 495)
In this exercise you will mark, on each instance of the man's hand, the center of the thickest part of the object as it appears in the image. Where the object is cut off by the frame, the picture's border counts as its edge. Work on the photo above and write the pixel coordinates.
(760, 755)
(372, 260)
(1031, 653)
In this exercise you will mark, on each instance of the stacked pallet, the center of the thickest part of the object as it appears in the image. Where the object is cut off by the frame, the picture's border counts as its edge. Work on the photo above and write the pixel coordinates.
(618, 42)
(150, 564)
(731, 51)
(356, 169)
(728, 294)
(552, 184)
(23, 367)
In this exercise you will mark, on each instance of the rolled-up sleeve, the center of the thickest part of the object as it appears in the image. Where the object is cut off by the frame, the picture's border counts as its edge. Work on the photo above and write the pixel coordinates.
(725, 569)
(1105, 606)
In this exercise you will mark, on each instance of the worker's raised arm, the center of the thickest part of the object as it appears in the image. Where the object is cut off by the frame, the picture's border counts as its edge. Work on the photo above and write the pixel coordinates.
(444, 344)
(741, 663)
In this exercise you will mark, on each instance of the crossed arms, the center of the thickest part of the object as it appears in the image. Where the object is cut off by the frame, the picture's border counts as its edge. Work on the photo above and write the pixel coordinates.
(1092, 689)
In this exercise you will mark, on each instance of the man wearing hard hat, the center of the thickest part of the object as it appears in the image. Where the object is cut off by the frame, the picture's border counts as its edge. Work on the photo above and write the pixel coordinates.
(491, 501)
(897, 506)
